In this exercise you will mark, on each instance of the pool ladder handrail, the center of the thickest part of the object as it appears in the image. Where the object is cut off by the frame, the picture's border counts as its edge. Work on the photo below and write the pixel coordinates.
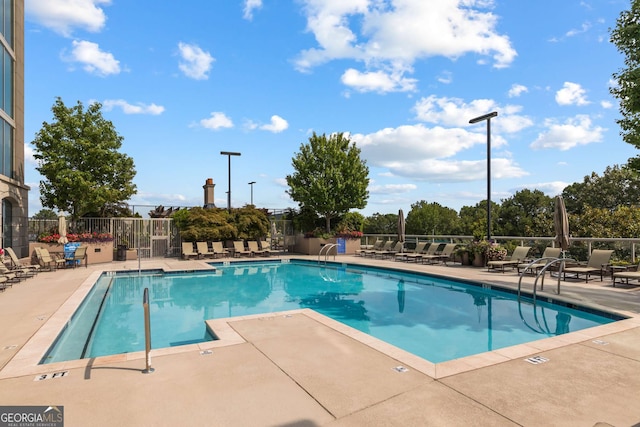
(550, 262)
(328, 248)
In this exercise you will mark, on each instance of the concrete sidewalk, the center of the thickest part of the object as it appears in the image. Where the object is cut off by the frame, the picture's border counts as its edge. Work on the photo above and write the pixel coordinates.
(300, 368)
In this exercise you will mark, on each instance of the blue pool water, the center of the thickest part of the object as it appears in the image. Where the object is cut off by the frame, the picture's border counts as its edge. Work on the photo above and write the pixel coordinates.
(434, 318)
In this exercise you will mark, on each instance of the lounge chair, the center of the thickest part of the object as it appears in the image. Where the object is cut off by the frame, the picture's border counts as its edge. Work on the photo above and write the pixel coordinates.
(430, 250)
(631, 273)
(79, 255)
(404, 256)
(17, 263)
(597, 262)
(47, 261)
(548, 253)
(266, 247)
(203, 250)
(3, 283)
(15, 275)
(376, 247)
(397, 248)
(187, 250)
(439, 255)
(254, 248)
(374, 252)
(218, 249)
(517, 257)
(239, 250)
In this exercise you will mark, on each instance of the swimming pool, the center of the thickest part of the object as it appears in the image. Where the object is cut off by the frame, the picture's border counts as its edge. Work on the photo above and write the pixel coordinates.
(435, 318)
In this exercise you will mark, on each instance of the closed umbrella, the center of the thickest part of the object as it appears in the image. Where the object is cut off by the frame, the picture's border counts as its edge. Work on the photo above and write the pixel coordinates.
(401, 227)
(62, 229)
(561, 224)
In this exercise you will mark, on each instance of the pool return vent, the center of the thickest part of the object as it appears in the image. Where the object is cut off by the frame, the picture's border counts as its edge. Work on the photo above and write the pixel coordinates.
(147, 332)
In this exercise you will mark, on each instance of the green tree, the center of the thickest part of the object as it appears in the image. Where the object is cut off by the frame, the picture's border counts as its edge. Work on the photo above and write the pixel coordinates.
(329, 178)
(381, 223)
(45, 214)
(473, 219)
(625, 36)
(431, 218)
(526, 213)
(199, 224)
(78, 158)
(618, 186)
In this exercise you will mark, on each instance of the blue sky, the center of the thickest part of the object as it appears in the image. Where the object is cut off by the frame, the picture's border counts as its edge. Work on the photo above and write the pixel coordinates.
(182, 81)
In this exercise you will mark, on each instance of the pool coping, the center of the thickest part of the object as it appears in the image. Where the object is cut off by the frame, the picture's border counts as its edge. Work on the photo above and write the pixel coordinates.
(26, 361)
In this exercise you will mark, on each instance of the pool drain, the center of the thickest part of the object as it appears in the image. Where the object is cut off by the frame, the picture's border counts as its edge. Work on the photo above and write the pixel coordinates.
(400, 369)
(536, 360)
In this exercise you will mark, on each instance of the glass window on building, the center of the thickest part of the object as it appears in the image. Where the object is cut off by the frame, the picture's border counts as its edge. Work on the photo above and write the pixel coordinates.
(7, 84)
(6, 149)
(7, 220)
(6, 21)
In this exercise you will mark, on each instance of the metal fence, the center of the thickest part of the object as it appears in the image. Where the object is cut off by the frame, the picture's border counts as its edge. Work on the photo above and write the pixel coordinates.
(153, 237)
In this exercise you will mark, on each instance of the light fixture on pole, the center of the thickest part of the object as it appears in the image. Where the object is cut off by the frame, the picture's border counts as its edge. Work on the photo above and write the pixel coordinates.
(229, 154)
(251, 184)
(488, 118)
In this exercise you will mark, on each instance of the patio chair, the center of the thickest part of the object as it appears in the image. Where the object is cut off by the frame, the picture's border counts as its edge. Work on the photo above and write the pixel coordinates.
(203, 250)
(630, 273)
(265, 245)
(427, 251)
(187, 250)
(517, 257)
(597, 263)
(17, 263)
(239, 250)
(14, 275)
(549, 252)
(254, 248)
(397, 248)
(218, 249)
(48, 261)
(404, 256)
(445, 255)
(79, 255)
(3, 283)
(374, 252)
(376, 247)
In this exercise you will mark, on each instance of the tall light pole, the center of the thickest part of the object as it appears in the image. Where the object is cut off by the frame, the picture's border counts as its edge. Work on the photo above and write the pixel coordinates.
(229, 154)
(251, 184)
(487, 117)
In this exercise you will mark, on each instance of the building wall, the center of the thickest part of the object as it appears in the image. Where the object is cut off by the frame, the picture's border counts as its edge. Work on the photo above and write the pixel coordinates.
(13, 192)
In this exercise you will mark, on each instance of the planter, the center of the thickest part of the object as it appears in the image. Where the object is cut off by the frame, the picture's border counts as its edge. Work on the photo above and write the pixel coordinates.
(479, 260)
(96, 252)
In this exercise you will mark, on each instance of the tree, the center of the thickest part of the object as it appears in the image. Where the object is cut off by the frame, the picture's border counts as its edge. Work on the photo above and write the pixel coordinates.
(618, 186)
(381, 224)
(431, 218)
(526, 213)
(78, 157)
(45, 214)
(329, 178)
(473, 219)
(625, 36)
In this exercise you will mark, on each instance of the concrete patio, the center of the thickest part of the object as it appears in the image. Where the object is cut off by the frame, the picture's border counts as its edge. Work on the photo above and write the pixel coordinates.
(302, 369)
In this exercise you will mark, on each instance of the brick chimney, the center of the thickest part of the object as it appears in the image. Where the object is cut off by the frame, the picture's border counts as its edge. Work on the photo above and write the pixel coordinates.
(208, 194)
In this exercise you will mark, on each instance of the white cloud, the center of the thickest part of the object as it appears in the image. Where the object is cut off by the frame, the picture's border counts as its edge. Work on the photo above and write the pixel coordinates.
(445, 77)
(606, 104)
(277, 125)
(377, 81)
(95, 61)
(196, 63)
(217, 121)
(62, 16)
(575, 131)
(392, 38)
(392, 188)
(517, 90)
(249, 7)
(552, 188)
(455, 112)
(571, 94)
(423, 154)
(127, 108)
(575, 31)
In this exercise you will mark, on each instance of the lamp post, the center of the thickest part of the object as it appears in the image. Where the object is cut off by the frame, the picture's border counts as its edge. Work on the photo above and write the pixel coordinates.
(251, 184)
(488, 118)
(229, 154)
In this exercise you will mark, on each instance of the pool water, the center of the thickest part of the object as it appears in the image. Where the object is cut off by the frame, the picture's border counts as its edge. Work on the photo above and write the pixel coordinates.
(434, 318)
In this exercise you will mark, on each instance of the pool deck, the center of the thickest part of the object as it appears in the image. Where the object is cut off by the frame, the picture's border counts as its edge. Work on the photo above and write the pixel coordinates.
(302, 369)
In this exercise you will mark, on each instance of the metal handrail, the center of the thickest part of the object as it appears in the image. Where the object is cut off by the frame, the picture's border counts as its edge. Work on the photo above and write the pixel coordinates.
(550, 261)
(328, 246)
